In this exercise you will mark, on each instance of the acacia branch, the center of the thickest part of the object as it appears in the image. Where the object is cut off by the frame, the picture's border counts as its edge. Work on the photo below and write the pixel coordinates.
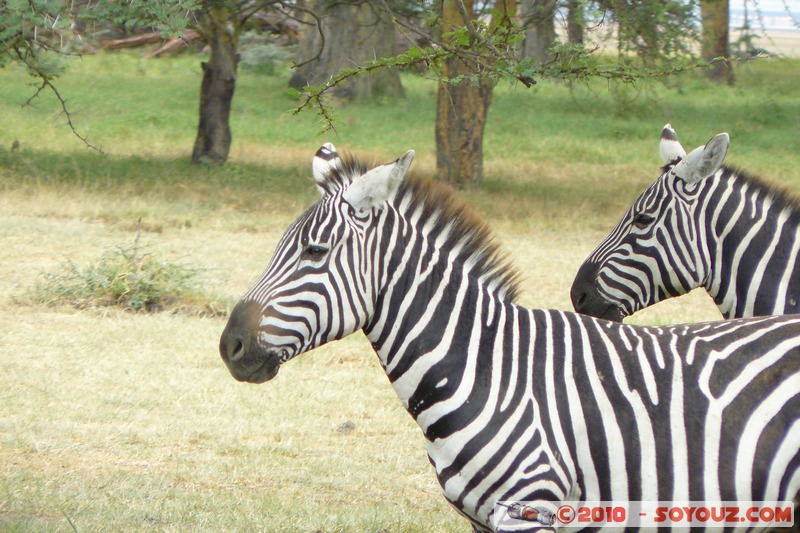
(313, 96)
(462, 10)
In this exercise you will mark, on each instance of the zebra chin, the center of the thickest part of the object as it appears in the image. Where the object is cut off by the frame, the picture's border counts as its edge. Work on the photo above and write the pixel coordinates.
(592, 304)
(611, 312)
(250, 362)
(602, 309)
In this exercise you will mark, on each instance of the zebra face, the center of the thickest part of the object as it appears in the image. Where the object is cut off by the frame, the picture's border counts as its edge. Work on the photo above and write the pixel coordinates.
(655, 251)
(627, 271)
(318, 285)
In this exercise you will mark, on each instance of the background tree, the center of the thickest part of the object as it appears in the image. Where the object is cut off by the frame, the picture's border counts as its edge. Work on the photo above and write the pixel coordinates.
(654, 31)
(219, 25)
(341, 34)
(470, 54)
(539, 20)
(34, 32)
(463, 99)
(715, 39)
(575, 21)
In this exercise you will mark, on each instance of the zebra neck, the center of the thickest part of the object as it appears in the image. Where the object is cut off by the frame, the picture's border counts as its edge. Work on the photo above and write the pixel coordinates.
(435, 335)
(752, 232)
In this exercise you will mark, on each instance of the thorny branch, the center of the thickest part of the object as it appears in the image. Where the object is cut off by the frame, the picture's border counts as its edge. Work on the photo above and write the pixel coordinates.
(28, 58)
(47, 84)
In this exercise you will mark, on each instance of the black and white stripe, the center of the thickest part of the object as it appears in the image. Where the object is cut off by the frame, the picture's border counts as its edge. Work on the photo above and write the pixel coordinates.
(519, 404)
(701, 224)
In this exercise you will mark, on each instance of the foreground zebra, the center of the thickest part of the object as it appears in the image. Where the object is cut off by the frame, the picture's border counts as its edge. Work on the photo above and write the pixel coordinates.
(520, 405)
(701, 224)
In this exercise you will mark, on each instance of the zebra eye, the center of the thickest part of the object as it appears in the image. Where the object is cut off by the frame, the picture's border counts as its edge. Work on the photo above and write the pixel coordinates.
(313, 251)
(642, 220)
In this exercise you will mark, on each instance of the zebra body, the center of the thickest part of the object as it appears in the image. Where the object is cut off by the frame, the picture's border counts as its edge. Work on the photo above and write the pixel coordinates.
(516, 404)
(701, 224)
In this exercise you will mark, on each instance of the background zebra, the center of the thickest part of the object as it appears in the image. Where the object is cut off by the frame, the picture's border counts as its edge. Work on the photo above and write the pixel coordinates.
(515, 404)
(701, 224)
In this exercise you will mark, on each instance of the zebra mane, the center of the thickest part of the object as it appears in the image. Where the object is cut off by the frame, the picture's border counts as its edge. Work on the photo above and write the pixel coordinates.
(442, 212)
(782, 198)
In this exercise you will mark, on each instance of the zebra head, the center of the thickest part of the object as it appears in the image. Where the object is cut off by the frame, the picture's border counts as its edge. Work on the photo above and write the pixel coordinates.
(655, 251)
(317, 287)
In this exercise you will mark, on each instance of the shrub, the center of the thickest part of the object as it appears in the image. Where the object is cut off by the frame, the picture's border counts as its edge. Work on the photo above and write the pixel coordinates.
(128, 277)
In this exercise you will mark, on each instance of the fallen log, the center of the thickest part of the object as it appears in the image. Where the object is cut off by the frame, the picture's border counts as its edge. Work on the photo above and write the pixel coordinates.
(175, 44)
(134, 40)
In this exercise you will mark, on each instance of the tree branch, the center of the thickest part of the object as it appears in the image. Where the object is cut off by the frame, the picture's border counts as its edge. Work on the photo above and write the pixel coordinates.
(321, 36)
(46, 83)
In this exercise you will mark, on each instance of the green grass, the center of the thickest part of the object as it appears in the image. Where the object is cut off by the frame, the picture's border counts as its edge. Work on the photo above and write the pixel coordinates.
(119, 421)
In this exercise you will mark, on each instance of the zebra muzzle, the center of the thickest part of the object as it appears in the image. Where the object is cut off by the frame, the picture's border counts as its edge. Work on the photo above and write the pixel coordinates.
(246, 358)
(586, 298)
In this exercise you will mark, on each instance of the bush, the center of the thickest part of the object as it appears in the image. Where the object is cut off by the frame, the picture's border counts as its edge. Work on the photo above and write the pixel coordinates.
(127, 277)
(258, 54)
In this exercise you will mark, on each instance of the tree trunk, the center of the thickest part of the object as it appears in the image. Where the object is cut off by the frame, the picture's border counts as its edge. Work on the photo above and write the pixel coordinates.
(461, 114)
(715, 39)
(538, 16)
(460, 122)
(354, 33)
(575, 21)
(220, 29)
(375, 37)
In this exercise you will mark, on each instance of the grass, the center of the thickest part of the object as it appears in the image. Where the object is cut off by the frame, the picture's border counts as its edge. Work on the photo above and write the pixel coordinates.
(120, 421)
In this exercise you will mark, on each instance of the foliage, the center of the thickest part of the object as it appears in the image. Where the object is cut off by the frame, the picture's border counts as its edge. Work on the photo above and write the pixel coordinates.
(31, 31)
(35, 34)
(170, 17)
(653, 30)
(569, 62)
(658, 33)
(129, 277)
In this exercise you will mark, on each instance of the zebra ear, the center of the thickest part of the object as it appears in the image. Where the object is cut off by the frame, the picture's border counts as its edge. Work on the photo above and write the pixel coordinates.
(325, 161)
(704, 161)
(377, 185)
(670, 146)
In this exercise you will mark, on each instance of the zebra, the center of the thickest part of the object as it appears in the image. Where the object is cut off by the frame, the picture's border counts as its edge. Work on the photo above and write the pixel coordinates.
(519, 405)
(701, 224)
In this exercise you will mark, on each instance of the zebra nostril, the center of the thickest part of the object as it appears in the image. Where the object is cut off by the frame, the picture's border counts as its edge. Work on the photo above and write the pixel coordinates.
(580, 300)
(236, 350)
